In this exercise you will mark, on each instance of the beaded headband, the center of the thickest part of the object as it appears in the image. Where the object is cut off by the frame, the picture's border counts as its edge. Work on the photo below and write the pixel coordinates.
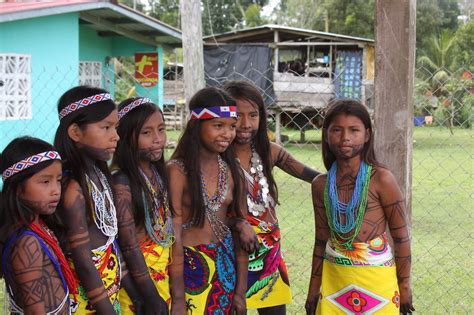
(30, 161)
(83, 103)
(132, 105)
(214, 112)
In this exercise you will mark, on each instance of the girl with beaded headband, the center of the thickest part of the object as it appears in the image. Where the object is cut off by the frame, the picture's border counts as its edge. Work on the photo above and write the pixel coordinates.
(353, 268)
(206, 188)
(36, 273)
(86, 139)
(268, 287)
(142, 197)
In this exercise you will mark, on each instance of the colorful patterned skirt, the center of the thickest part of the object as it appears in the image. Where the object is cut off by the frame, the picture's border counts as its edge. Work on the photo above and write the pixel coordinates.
(210, 277)
(362, 281)
(108, 266)
(157, 260)
(268, 283)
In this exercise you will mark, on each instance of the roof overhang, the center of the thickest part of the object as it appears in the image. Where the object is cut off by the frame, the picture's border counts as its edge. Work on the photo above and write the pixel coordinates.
(107, 18)
(289, 35)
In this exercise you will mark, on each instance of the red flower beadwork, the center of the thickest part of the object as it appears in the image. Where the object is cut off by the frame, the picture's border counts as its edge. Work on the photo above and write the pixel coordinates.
(356, 301)
(396, 299)
(111, 263)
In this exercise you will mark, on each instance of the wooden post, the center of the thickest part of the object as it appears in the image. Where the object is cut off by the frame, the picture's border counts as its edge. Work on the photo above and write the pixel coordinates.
(193, 56)
(276, 39)
(278, 126)
(394, 67)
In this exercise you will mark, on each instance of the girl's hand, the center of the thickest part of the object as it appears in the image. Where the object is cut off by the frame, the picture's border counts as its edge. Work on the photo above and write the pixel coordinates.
(248, 238)
(239, 305)
(406, 302)
(178, 307)
(311, 304)
(157, 306)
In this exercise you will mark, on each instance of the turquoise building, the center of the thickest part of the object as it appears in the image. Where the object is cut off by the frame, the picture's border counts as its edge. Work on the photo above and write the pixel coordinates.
(47, 47)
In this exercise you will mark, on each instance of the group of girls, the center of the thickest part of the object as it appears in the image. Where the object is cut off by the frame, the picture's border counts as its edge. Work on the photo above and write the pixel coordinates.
(196, 235)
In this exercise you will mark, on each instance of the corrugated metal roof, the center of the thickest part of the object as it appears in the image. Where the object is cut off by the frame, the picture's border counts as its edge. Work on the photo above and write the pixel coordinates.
(107, 17)
(265, 34)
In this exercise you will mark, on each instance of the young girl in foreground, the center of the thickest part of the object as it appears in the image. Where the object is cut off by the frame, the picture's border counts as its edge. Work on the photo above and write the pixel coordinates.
(142, 195)
(86, 139)
(207, 187)
(353, 269)
(36, 272)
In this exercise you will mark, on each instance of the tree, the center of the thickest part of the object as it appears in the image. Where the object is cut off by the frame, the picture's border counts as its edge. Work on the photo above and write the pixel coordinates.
(465, 42)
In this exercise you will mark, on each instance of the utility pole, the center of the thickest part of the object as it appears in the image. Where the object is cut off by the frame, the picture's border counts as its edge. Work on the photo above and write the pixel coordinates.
(395, 35)
(193, 56)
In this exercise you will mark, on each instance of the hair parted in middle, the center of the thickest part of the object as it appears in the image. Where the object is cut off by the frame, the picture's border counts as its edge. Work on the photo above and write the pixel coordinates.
(352, 108)
(247, 91)
(127, 156)
(189, 146)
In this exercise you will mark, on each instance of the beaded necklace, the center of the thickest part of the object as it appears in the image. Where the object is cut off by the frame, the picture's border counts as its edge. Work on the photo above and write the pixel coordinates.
(213, 204)
(158, 222)
(105, 214)
(344, 218)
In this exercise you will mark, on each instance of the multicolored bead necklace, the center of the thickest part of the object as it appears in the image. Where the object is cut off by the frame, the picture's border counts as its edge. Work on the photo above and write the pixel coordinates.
(213, 204)
(158, 222)
(344, 218)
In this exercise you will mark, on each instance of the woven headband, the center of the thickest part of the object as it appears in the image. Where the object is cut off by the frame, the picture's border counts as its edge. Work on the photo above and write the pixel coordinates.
(83, 103)
(214, 112)
(30, 161)
(132, 105)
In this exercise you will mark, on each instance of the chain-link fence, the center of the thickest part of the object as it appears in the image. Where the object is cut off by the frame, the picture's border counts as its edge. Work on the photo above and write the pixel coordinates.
(442, 161)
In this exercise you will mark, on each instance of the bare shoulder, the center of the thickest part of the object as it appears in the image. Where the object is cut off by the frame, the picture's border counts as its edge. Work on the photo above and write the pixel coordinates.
(175, 169)
(119, 178)
(319, 182)
(383, 176)
(26, 250)
(72, 192)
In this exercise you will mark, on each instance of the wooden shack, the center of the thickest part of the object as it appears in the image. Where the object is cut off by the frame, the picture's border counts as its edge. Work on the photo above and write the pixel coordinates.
(309, 69)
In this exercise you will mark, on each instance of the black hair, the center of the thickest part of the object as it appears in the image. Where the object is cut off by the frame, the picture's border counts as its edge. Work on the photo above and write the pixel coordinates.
(127, 157)
(353, 108)
(188, 148)
(74, 164)
(15, 213)
(244, 90)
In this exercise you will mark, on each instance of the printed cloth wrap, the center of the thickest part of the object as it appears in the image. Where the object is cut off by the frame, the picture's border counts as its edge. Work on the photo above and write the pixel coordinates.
(157, 259)
(210, 277)
(108, 265)
(362, 281)
(268, 281)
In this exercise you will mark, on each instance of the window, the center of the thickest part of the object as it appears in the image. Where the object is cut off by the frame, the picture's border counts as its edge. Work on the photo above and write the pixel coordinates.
(15, 87)
(90, 73)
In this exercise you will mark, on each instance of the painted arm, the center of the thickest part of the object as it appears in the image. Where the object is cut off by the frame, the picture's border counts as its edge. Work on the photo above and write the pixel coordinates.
(321, 237)
(153, 302)
(74, 217)
(27, 271)
(393, 204)
(176, 192)
(285, 161)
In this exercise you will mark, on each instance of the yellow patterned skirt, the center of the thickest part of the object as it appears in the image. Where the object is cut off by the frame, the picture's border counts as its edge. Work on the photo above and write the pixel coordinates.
(157, 260)
(362, 282)
(108, 266)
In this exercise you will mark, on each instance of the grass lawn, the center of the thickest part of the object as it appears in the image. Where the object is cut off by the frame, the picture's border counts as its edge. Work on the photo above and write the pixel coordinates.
(442, 218)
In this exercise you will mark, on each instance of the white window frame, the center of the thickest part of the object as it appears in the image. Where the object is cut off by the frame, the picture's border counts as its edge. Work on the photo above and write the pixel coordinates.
(90, 73)
(15, 87)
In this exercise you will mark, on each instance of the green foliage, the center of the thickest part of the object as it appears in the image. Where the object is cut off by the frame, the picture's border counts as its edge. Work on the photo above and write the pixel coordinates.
(349, 17)
(465, 43)
(439, 52)
(253, 17)
(166, 11)
(432, 16)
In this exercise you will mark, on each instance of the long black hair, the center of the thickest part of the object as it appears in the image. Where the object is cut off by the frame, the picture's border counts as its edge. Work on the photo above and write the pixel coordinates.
(244, 90)
(127, 157)
(353, 108)
(189, 145)
(14, 212)
(74, 163)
